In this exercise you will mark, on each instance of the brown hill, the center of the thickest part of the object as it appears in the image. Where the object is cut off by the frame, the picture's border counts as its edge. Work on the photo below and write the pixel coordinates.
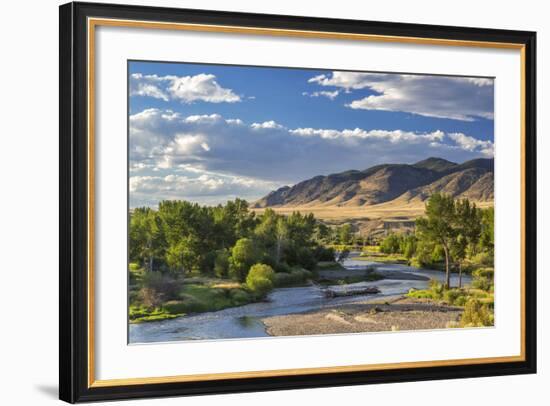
(383, 183)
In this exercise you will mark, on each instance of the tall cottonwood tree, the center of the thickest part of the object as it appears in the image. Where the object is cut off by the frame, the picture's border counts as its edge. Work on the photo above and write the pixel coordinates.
(468, 228)
(438, 226)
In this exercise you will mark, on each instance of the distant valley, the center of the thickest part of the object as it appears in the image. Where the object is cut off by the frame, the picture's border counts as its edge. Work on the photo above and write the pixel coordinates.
(384, 193)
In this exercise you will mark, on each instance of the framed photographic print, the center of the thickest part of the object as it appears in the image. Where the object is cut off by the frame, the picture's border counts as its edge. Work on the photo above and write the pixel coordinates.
(257, 202)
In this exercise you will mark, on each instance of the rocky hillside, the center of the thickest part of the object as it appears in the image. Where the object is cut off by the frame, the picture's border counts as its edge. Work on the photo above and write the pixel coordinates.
(383, 183)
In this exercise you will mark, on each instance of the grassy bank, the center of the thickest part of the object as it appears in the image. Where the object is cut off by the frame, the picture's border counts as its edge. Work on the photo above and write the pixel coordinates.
(168, 298)
(195, 295)
(477, 299)
(372, 253)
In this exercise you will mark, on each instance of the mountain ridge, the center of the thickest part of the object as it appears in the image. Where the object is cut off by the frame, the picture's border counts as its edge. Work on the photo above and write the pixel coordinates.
(383, 183)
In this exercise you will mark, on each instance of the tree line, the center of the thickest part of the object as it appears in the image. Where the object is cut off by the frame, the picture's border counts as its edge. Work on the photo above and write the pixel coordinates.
(451, 230)
(181, 238)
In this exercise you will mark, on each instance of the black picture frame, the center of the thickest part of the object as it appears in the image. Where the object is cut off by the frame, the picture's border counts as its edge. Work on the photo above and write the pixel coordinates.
(74, 384)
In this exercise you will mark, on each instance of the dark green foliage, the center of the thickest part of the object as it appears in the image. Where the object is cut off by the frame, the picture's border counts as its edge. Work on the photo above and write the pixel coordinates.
(221, 263)
(147, 238)
(487, 237)
(157, 288)
(283, 267)
(296, 276)
(186, 239)
(324, 254)
(454, 231)
(438, 226)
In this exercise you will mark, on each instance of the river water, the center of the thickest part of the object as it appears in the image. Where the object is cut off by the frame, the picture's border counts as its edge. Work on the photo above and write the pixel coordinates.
(245, 321)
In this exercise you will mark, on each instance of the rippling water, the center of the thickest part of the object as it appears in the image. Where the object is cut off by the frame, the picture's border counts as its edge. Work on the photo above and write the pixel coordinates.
(245, 321)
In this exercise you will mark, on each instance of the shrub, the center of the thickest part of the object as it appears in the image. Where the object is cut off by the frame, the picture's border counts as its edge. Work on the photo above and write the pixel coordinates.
(306, 258)
(260, 279)
(283, 267)
(175, 307)
(484, 258)
(488, 273)
(295, 277)
(322, 253)
(482, 283)
(390, 244)
(476, 314)
(437, 288)
(460, 300)
(239, 296)
(483, 279)
(158, 288)
(134, 273)
(450, 296)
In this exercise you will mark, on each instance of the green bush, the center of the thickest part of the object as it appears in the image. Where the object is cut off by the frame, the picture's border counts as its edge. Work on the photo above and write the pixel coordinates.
(158, 288)
(283, 267)
(295, 277)
(322, 253)
(484, 258)
(239, 297)
(488, 273)
(260, 279)
(306, 258)
(482, 283)
(477, 314)
(175, 307)
(450, 296)
(483, 278)
(421, 294)
(437, 288)
(461, 300)
(390, 244)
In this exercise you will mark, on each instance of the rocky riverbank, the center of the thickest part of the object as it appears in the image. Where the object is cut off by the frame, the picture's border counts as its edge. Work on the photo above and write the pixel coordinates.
(391, 314)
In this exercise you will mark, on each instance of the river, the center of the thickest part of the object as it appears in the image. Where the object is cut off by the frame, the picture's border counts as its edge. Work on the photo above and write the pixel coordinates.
(245, 321)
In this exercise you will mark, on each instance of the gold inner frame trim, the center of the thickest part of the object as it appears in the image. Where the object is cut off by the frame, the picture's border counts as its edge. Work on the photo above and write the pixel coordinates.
(94, 22)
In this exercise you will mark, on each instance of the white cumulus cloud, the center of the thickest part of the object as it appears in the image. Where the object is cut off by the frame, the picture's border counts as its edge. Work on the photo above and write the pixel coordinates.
(164, 142)
(458, 98)
(472, 144)
(187, 89)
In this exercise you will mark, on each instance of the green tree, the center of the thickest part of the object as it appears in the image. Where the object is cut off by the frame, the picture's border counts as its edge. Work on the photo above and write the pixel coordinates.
(281, 235)
(390, 244)
(487, 232)
(408, 246)
(147, 239)
(260, 279)
(182, 256)
(438, 227)
(243, 256)
(468, 228)
(323, 233)
(345, 234)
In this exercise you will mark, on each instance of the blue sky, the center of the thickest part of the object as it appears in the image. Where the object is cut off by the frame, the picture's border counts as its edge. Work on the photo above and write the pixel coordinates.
(209, 133)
